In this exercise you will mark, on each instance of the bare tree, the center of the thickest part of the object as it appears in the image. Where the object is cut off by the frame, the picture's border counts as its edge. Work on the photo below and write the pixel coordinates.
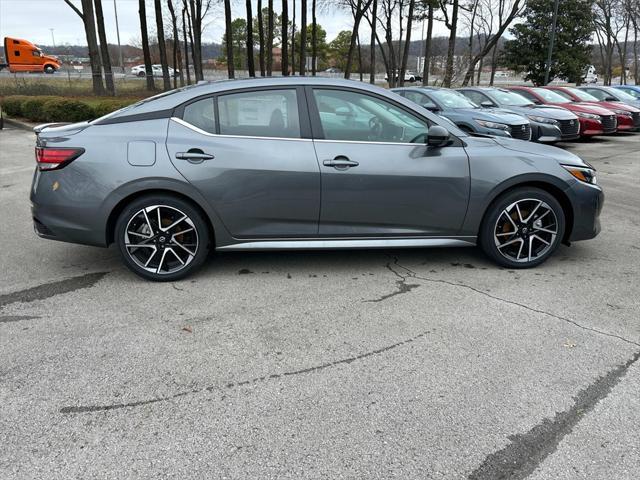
(104, 50)
(186, 49)
(358, 10)
(372, 43)
(250, 61)
(177, 54)
(228, 34)
(314, 38)
(407, 43)
(270, 38)
(146, 53)
(293, 40)
(261, 39)
(162, 46)
(491, 41)
(86, 14)
(285, 34)
(427, 43)
(451, 22)
(303, 37)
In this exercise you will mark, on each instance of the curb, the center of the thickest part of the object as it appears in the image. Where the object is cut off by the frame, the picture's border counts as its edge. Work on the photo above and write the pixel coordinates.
(19, 124)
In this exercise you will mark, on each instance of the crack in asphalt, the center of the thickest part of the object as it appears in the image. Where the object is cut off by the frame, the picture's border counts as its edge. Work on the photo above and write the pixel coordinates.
(412, 274)
(51, 289)
(230, 385)
(16, 318)
(402, 287)
(528, 450)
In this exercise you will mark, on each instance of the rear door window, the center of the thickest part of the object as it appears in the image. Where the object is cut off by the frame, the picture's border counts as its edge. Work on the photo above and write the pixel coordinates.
(261, 113)
(201, 114)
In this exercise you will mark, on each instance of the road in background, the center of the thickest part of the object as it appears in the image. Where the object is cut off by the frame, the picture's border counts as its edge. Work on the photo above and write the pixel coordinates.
(411, 364)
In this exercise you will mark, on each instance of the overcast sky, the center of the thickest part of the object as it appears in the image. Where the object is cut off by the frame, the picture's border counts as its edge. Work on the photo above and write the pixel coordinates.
(33, 19)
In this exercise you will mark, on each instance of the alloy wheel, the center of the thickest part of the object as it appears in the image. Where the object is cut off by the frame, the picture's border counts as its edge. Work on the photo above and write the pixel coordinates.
(161, 239)
(525, 230)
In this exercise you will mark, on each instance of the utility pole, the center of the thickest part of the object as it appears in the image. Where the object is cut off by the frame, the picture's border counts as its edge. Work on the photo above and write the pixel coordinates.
(53, 40)
(115, 11)
(552, 40)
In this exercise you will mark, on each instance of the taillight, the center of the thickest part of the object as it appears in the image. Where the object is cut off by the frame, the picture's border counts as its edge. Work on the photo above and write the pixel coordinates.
(51, 158)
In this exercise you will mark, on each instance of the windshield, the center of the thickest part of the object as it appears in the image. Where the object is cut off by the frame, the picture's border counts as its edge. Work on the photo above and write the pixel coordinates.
(451, 99)
(624, 96)
(582, 95)
(550, 96)
(504, 97)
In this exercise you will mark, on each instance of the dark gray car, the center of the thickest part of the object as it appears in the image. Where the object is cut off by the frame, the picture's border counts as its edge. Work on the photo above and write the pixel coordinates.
(548, 124)
(301, 163)
(467, 115)
(610, 94)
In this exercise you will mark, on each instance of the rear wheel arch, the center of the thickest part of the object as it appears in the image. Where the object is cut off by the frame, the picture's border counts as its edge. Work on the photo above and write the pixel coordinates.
(121, 205)
(548, 187)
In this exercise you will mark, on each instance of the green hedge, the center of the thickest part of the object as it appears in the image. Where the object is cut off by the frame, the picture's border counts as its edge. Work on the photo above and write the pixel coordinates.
(59, 109)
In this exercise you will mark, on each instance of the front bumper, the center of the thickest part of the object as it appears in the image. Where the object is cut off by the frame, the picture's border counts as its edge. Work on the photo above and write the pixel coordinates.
(587, 201)
(545, 133)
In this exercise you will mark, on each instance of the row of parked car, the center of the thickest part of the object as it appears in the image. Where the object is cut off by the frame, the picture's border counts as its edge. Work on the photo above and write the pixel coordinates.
(540, 114)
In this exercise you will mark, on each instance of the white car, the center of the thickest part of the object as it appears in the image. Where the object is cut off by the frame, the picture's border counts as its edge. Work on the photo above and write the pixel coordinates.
(409, 76)
(140, 71)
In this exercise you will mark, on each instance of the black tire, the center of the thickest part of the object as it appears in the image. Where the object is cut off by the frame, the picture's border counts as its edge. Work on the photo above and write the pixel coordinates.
(542, 245)
(171, 210)
(49, 69)
(141, 74)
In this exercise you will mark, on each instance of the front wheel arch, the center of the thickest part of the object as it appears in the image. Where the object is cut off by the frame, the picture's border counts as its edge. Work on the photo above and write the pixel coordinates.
(551, 189)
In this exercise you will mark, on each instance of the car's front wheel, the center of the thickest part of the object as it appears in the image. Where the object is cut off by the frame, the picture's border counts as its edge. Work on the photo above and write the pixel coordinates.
(162, 238)
(522, 228)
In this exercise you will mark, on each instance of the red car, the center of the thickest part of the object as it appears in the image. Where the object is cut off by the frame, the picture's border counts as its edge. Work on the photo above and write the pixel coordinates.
(628, 116)
(594, 120)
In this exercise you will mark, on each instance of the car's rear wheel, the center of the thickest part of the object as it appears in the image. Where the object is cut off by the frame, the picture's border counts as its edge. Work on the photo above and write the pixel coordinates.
(162, 238)
(522, 228)
(141, 74)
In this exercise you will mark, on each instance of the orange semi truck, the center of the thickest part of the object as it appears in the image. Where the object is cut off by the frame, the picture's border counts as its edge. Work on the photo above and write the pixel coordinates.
(24, 56)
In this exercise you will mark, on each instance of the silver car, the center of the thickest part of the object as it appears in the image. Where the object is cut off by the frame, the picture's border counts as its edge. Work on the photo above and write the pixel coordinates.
(301, 163)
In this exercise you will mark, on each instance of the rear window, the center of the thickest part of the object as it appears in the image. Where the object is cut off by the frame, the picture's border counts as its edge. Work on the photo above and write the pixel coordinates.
(201, 114)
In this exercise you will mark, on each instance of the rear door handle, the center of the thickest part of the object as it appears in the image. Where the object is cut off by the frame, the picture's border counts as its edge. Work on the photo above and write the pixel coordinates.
(340, 163)
(194, 155)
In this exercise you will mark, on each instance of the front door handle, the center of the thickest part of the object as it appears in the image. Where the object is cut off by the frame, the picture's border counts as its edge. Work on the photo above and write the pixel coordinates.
(340, 163)
(194, 155)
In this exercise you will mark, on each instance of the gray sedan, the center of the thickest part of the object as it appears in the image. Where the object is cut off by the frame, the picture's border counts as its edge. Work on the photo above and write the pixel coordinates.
(301, 163)
(548, 124)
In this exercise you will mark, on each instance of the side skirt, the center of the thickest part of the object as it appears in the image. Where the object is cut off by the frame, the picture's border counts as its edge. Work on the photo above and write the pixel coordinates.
(327, 244)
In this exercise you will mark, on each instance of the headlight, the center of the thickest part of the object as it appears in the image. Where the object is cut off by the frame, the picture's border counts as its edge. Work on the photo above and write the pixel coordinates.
(624, 112)
(487, 124)
(535, 118)
(588, 115)
(586, 175)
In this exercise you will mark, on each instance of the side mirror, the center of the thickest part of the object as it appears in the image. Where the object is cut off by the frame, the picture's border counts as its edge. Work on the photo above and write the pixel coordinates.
(437, 136)
(486, 104)
(611, 99)
(431, 106)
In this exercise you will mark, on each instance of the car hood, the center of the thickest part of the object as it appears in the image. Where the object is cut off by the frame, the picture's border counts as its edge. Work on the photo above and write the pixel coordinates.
(562, 156)
(587, 108)
(556, 113)
(493, 115)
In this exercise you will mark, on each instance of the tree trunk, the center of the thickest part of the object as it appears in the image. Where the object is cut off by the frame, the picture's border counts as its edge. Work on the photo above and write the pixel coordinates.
(314, 39)
(293, 40)
(229, 39)
(186, 50)
(359, 56)
(196, 29)
(372, 43)
(359, 12)
(636, 80)
(391, 63)
(270, 39)
(261, 39)
(448, 71)
(303, 37)
(177, 55)
(494, 64)
(427, 47)
(142, 11)
(162, 46)
(104, 50)
(285, 39)
(250, 60)
(407, 42)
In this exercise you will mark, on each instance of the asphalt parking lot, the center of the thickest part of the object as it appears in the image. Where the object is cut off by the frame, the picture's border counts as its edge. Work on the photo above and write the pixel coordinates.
(410, 364)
